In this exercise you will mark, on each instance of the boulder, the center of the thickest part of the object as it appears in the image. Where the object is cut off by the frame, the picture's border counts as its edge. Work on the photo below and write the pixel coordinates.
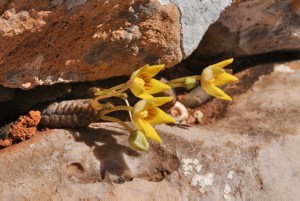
(251, 153)
(48, 42)
(251, 28)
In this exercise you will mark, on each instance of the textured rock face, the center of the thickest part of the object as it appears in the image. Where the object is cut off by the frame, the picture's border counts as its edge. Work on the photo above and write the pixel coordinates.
(253, 27)
(47, 42)
(252, 153)
(195, 16)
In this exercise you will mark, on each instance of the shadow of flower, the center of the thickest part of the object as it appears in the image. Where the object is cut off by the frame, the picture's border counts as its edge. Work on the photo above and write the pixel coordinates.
(106, 149)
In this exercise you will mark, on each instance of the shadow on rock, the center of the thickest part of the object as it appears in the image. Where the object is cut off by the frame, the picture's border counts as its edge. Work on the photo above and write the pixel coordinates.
(107, 150)
(120, 163)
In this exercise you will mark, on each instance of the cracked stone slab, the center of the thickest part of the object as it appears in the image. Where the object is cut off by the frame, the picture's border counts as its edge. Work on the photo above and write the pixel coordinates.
(252, 153)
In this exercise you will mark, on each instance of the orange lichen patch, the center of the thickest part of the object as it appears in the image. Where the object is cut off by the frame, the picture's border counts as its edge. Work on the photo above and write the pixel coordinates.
(23, 128)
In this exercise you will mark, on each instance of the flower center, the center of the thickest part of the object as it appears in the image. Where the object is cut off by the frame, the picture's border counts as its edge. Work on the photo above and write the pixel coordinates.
(140, 81)
(144, 114)
(212, 80)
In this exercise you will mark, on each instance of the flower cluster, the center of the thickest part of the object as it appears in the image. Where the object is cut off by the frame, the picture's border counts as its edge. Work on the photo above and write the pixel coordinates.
(146, 113)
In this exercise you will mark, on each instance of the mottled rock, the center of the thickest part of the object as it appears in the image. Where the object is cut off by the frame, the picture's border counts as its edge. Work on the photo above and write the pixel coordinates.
(251, 28)
(48, 42)
(252, 153)
(71, 41)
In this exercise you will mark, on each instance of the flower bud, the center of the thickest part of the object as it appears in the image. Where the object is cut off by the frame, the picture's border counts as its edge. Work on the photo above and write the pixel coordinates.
(138, 141)
(108, 106)
(190, 82)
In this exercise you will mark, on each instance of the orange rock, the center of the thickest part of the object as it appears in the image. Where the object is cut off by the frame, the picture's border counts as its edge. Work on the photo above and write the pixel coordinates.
(23, 128)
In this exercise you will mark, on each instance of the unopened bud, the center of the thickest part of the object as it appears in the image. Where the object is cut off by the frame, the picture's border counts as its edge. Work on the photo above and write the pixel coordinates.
(190, 82)
(108, 106)
(138, 141)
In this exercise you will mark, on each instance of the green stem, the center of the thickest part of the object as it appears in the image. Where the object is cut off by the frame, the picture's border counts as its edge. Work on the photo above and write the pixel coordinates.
(175, 85)
(181, 79)
(97, 105)
(113, 119)
(115, 88)
(116, 108)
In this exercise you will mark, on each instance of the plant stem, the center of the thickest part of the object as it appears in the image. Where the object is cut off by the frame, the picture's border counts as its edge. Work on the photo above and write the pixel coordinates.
(181, 79)
(129, 111)
(115, 88)
(97, 105)
(116, 108)
(113, 119)
(175, 85)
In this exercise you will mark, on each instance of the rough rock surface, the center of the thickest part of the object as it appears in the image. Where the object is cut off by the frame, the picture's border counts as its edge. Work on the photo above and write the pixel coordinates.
(253, 27)
(195, 16)
(252, 153)
(48, 42)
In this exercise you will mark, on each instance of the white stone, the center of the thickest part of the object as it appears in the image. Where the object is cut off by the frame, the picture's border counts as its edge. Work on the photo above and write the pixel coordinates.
(196, 16)
(230, 175)
(283, 69)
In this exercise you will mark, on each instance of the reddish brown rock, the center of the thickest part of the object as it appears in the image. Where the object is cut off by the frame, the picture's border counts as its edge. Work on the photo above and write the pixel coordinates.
(23, 128)
(48, 42)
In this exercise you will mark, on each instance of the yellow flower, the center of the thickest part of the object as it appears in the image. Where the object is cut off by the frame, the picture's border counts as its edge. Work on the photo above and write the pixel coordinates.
(138, 141)
(142, 84)
(146, 112)
(214, 76)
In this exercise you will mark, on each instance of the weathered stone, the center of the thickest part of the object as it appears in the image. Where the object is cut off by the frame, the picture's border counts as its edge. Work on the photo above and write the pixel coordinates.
(64, 41)
(48, 42)
(251, 28)
(252, 153)
(195, 16)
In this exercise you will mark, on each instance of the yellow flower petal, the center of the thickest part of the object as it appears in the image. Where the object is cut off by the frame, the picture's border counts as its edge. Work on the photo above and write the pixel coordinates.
(148, 130)
(137, 89)
(151, 71)
(211, 72)
(138, 72)
(160, 117)
(214, 76)
(215, 91)
(154, 86)
(224, 78)
(158, 101)
(224, 63)
(140, 106)
(151, 102)
(141, 81)
(145, 95)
